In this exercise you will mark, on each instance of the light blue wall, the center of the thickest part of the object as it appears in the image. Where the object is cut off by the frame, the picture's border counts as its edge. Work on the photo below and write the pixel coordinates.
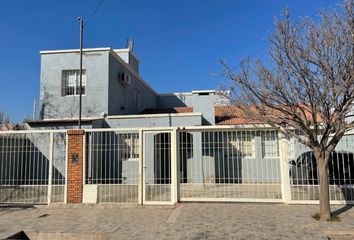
(129, 58)
(200, 101)
(104, 91)
(205, 105)
(154, 121)
(121, 100)
(94, 102)
(175, 100)
(133, 62)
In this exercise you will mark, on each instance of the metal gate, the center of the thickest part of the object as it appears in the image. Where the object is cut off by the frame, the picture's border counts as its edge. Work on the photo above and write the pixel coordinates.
(157, 165)
(112, 165)
(229, 165)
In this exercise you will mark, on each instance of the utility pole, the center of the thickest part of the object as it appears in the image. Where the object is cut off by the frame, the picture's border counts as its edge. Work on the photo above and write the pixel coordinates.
(81, 21)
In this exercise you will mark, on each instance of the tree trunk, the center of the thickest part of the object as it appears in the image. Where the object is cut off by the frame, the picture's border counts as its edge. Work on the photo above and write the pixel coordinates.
(325, 209)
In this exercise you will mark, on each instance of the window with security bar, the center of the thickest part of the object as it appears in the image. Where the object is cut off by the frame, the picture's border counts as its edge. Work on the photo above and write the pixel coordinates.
(129, 144)
(243, 142)
(71, 82)
(270, 144)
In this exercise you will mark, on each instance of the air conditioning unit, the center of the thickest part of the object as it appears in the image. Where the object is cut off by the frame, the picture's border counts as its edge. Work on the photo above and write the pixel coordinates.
(124, 78)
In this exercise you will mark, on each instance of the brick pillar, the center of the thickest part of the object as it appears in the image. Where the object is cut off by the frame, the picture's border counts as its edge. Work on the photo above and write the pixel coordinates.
(75, 166)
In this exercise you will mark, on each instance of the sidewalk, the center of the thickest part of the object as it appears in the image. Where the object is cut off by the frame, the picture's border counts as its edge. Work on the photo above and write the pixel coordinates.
(185, 221)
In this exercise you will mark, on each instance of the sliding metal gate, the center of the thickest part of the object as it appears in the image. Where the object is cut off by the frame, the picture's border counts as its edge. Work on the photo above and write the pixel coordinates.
(229, 165)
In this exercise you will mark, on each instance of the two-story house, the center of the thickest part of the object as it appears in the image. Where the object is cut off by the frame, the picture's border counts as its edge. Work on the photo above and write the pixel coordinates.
(114, 94)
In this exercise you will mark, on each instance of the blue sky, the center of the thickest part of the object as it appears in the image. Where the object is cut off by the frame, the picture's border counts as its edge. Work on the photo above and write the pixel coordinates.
(179, 43)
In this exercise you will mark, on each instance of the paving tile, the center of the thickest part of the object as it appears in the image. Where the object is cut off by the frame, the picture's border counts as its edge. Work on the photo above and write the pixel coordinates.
(194, 221)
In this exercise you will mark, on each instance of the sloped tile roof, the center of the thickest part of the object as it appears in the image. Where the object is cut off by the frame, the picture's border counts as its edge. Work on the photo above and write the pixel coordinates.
(232, 115)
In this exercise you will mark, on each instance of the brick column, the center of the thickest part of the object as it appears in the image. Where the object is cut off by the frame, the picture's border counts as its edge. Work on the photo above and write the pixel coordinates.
(75, 166)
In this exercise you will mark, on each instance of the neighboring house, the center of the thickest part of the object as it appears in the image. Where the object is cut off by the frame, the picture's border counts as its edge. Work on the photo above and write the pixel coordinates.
(114, 94)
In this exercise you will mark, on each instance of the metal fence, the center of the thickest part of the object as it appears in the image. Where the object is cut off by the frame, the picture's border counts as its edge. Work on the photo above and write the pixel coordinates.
(304, 177)
(224, 165)
(32, 167)
(211, 164)
(112, 164)
(164, 165)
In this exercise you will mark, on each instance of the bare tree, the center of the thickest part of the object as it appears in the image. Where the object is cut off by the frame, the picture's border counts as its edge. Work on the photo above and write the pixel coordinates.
(305, 86)
(5, 122)
(53, 107)
(4, 119)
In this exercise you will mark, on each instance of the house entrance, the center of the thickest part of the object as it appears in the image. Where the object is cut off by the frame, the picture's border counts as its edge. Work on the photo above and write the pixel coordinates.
(157, 168)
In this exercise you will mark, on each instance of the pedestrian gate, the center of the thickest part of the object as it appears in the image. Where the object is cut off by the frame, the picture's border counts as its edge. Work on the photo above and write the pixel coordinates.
(157, 167)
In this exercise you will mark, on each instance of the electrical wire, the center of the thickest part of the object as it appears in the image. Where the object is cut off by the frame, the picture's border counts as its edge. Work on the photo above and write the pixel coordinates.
(94, 12)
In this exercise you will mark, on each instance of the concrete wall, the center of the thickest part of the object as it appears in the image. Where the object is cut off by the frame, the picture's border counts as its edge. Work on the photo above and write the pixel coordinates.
(162, 120)
(155, 121)
(94, 102)
(201, 101)
(63, 126)
(175, 100)
(121, 99)
(104, 91)
(106, 94)
(134, 62)
(129, 58)
(189, 99)
(205, 104)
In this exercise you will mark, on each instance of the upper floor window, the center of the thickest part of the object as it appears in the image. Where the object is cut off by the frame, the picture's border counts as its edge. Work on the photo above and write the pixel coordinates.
(71, 82)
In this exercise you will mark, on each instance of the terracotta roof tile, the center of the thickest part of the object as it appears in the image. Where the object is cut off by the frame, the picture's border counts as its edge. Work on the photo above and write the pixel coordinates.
(233, 115)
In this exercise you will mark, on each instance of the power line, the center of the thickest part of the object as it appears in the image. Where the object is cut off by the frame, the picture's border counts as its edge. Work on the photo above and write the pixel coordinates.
(94, 12)
(81, 47)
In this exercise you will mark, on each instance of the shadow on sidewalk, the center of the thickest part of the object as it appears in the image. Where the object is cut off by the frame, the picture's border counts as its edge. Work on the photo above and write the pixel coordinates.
(9, 206)
(342, 210)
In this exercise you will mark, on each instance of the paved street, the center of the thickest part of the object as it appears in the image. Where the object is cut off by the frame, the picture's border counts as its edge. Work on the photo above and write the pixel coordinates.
(185, 221)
